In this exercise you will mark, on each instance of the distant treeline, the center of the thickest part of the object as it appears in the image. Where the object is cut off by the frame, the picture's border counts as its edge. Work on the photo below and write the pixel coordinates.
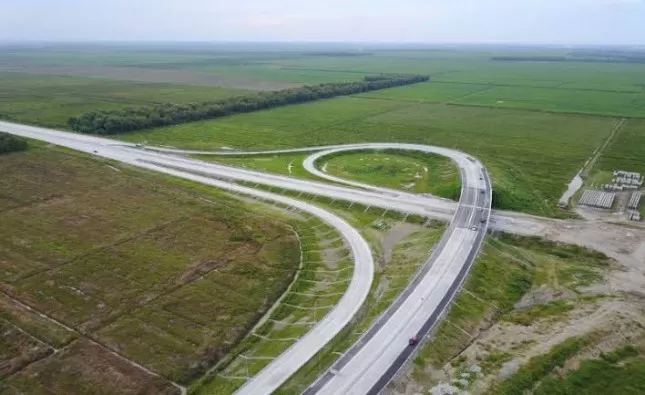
(530, 58)
(610, 54)
(576, 57)
(11, 143)
(338, 53)
(137, 118)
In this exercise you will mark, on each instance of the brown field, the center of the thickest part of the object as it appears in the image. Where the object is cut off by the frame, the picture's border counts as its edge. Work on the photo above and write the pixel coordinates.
(136, 263)
(88, 369)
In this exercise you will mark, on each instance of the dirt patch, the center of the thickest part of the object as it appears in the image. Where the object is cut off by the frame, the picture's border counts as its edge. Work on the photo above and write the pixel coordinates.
(394, 236)
(544, 295)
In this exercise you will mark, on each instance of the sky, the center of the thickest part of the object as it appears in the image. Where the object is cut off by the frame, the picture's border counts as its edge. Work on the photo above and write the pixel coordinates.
(429, 21)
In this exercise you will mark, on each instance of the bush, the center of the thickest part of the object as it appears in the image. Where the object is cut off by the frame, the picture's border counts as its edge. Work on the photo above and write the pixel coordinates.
(10, 143)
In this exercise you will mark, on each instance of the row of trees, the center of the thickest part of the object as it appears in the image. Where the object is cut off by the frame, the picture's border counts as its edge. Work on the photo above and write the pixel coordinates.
(529, 58)
(137, 118)
(10, 143)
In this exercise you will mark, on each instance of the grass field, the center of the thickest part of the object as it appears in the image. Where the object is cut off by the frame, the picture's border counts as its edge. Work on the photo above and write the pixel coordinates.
(586, 87)
(619, 104)
(419, 174)
(135, 262)
(51, 100)
(532, 155)
(627, 149)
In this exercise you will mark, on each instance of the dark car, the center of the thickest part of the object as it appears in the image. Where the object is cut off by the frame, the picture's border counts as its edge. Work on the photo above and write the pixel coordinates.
(413, 341)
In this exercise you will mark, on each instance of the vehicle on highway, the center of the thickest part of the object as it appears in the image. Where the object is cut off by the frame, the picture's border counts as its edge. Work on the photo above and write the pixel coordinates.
(483, 220)
(413, 341)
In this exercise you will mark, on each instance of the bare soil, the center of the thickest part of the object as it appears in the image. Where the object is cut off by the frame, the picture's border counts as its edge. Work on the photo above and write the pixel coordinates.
(613, 307)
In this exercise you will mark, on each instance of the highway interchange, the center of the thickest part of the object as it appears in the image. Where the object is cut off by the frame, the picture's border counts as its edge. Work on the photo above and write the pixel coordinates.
(375, 359)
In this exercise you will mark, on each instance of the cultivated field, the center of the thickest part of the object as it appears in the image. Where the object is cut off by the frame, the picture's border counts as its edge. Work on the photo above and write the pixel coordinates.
(532, 155)
(614, 89)
(102, 265)
(98, 259)
(626, 150)
(238, 68)
(52, 100)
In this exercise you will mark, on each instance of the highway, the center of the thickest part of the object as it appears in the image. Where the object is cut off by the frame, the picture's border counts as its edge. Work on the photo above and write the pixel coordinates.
(374, 360)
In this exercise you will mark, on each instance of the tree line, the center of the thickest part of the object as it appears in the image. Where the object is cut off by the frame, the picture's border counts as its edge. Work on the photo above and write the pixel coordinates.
(530, 58)
(11, 143)
(163, 114)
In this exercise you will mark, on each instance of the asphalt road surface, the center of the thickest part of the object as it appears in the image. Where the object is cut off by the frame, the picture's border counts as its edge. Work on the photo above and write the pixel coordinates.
(382, 351)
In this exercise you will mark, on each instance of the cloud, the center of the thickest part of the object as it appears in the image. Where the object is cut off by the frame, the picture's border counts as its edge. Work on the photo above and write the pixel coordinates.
(527, 21)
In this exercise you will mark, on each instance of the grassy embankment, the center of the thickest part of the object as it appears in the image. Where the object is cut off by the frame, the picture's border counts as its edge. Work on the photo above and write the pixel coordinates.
(509, 268)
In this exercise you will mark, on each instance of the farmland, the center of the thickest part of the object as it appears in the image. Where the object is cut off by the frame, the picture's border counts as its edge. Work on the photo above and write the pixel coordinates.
(619, 104)
(97, 258)
(625, 152)
(102, 265)
(532, 155)
(51, 100)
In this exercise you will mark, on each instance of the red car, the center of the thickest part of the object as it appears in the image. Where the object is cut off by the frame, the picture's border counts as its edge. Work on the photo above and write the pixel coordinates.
(413, 341)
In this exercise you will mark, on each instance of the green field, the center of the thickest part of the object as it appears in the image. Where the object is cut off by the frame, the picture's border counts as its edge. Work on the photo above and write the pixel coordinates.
(433, 92)
(626, 151)
(582, 87)
(533, 123)
(102, 264)
(134, 261)
(52, 100)
(531, 155)
(619, 104)
(419, 174)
